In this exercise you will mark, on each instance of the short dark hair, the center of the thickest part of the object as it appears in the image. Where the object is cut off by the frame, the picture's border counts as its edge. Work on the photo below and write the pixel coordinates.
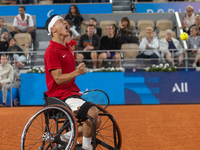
(90, 25)
(4, 55)
(69, 22)
(11, 39)
(23, 7)
(1, 19)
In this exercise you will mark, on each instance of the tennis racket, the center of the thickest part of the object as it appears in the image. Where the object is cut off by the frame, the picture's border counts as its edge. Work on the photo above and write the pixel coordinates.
(96, 96)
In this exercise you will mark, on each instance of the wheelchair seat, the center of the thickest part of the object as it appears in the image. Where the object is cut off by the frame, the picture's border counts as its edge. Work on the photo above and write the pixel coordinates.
(53, 101)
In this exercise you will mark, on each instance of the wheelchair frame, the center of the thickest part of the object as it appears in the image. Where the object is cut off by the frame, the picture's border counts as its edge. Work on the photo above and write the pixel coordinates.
(60, 112)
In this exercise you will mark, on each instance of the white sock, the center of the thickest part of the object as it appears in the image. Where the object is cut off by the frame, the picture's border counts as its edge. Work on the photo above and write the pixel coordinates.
(94, 67)
(65, 137)
(86, 142)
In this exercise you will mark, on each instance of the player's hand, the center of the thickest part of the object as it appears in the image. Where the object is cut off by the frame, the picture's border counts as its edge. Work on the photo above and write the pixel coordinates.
(193, 51)
(81, 68)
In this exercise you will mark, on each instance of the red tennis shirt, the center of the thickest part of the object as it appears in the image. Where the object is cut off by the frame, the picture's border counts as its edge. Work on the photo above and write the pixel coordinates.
(58, 56)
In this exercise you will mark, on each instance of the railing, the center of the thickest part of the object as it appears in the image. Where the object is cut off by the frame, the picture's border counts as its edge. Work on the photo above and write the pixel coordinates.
(36, 58)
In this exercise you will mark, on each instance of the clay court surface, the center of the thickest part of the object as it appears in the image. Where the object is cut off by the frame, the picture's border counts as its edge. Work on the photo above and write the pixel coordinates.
(143, 127)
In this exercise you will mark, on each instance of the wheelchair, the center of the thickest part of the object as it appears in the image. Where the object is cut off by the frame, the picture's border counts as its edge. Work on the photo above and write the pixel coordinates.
(43, 130)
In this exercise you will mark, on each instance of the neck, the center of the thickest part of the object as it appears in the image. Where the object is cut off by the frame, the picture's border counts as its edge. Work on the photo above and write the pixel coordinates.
(194, 36)
(74, 14)
(90, 35)
(149, 38)
(110, 35)
(67, 39)
(59, 39)
(1, 27)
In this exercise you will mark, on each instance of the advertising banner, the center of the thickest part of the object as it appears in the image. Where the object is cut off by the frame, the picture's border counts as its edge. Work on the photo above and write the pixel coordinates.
(165, 7)
(124, 88)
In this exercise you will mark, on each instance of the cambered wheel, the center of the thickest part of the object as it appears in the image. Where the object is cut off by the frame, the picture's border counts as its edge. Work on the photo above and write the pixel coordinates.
(43, 130)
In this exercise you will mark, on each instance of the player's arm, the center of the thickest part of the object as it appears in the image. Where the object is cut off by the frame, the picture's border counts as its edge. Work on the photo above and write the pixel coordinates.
(65, 78)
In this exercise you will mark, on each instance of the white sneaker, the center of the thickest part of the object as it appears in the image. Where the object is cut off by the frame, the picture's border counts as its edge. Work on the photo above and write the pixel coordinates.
(65, 137)
(194, 65)
(87, 148)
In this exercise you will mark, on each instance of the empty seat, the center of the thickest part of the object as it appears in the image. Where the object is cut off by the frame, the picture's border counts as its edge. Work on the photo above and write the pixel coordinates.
(132, 22)
(162, 34)
(163, 25)
(9, 26)
(143, 24)
(129, 54)
(104, 24)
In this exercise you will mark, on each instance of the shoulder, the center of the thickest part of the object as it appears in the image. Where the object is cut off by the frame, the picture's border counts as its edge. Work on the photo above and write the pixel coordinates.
(104, 37)
(9, 66)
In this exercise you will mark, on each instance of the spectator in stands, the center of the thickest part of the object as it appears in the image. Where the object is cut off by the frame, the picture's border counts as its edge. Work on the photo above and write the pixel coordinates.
(4, 42)
(96, 1)
(25, 2)
(97, 30)
(17, 56)
(109, 42)
(188, 19)
(23, 23)
(193, 42)
(62, 1)
(127, 32)
(70, 42)
(89, 42)
(171, 47)
(75, 35)
(149, 46)
(6, 77)
(3, 28)
(75, 17)
(9, 2)
(197, 23)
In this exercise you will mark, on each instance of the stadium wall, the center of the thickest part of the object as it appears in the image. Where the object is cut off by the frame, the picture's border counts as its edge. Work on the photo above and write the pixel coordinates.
(42, 12)
(124, 88)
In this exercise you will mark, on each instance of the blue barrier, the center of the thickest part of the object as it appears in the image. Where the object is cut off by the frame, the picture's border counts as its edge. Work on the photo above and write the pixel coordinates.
(15, 94)
(125, 88)
(42, 12)
(165, 7)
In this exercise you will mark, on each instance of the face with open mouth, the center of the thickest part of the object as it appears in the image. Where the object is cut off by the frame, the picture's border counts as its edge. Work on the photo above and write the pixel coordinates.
(62, 27)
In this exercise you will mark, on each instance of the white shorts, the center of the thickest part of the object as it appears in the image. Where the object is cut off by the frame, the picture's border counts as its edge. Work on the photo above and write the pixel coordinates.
(74, 103)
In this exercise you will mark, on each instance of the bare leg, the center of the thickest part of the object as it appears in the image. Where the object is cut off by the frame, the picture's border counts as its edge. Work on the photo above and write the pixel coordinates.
(79, 58)
(117, 59)
(100, 59)
(169, 57)
(94, 58)
(181, 57)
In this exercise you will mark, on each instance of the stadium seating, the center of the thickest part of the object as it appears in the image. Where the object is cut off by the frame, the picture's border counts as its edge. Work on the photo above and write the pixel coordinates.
(9, 26)
(163, 25)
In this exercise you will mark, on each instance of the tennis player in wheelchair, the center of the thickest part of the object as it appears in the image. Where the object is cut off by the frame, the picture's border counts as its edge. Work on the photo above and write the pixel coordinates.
(60, 76)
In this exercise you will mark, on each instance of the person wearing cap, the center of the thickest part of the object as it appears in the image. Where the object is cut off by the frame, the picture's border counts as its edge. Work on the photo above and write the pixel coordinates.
(188, 19)
(60, 76)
